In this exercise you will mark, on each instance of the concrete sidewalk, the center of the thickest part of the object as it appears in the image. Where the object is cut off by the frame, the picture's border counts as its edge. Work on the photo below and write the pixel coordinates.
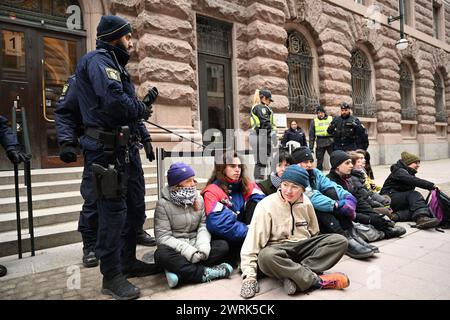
(414, 266)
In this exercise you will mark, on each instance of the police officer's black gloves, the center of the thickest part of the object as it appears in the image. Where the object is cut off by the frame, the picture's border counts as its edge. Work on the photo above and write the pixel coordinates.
(17, 156)
(151, 96)
(145, 112)
(68, 152)
(149, 150)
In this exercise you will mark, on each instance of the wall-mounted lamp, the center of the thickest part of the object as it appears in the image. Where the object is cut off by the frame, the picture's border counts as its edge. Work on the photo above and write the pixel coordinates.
(402, 43)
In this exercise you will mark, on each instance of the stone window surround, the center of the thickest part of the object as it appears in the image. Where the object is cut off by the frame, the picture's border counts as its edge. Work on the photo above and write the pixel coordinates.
(369, 57)
(413, 86)
(411, 13)
(437, 4)
(290, 27)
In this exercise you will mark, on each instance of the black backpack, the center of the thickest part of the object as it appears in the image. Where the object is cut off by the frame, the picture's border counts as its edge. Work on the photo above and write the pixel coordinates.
(439, 205)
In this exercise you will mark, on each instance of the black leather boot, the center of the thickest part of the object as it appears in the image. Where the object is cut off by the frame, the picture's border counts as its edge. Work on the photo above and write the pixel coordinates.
(361, 241)
(394, 232)
(120, 288)
(3, 270)
(89, 258)
(356, 250)
(144, 239)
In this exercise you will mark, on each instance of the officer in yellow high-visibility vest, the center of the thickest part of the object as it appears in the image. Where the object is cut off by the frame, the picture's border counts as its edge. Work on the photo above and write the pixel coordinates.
(318, 131)
(263, 128)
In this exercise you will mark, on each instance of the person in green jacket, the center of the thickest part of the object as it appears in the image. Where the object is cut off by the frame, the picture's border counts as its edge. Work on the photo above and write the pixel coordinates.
(282, 159)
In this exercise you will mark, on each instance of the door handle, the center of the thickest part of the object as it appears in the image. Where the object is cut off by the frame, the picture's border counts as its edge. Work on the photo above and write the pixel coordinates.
(44, 98)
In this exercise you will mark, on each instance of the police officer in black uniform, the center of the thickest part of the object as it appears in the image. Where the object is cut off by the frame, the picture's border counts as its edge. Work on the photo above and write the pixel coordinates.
(68, 129)
(111, 114)
(9, 142)
(345, 129)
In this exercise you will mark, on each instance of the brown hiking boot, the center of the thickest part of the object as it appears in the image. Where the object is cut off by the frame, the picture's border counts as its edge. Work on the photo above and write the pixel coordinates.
(335, 280)
(424, 222)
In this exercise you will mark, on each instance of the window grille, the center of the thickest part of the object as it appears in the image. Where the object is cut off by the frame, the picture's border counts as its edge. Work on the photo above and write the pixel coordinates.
(363, 98)
(409, 111)
(213, 37)
(301, 93)
(441, 113)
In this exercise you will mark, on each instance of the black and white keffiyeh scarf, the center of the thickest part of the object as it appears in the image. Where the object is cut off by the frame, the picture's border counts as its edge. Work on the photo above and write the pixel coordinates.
(183, 196)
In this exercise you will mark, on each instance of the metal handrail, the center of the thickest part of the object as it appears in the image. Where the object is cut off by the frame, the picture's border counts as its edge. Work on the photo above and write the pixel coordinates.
(27, 179)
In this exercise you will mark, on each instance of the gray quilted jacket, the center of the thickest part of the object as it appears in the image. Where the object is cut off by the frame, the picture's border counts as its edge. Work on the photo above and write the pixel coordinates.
(181, 228)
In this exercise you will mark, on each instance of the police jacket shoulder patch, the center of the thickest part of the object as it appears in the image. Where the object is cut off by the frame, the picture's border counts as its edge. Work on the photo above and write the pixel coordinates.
(113, 74)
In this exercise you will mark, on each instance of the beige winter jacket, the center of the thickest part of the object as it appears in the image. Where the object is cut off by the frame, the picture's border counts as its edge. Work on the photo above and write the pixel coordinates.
(275, 221)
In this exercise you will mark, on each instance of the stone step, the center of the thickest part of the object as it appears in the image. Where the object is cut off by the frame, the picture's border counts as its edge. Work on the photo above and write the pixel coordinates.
(8, 190)
(56, 174)
(44, 217)
(50, 200)
(46, 237)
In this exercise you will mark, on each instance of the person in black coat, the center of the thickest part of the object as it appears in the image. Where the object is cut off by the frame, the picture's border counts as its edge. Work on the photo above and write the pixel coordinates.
(407, 203)
(341, 167)
(346, 130)
(294, 133)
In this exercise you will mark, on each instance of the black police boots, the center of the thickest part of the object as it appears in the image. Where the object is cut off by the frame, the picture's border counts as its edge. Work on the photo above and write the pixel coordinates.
(3, 270)
(143, 238)
(120, 288)
(89, 258)
(141, 269)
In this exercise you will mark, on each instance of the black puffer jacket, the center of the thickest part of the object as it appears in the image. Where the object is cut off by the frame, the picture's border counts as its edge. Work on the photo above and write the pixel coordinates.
(403, 178)
(294, 135)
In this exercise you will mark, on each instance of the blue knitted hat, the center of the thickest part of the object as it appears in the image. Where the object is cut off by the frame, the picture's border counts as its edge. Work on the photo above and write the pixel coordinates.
(178, 172)
(297, 175)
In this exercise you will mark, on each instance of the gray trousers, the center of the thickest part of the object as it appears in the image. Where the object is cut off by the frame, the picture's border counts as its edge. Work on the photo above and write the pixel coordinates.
(301, 261)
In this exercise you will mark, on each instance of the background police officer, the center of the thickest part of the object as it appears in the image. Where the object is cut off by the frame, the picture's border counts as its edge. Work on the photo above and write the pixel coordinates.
(111, 113)
(345, 129)
(68, 128)
(318, 129)
(262, 123)
(9, 142)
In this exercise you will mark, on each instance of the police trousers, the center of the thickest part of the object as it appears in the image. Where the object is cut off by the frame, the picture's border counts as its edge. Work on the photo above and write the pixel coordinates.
(118, 218)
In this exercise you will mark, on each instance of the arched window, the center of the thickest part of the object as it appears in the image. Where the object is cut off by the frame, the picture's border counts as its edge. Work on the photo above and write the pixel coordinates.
(362, 95)
(439, 104)
(53, 12)
(301, 93)
(409, 111)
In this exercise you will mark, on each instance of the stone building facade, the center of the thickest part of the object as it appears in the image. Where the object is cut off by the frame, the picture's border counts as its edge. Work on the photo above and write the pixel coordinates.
(336, 34)
(207, 57)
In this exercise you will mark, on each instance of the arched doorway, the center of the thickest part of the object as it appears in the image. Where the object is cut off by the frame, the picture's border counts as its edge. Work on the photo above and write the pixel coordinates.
(40, 44)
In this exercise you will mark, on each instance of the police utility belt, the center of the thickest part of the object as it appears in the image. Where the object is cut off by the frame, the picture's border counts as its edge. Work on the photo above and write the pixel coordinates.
(110, 182)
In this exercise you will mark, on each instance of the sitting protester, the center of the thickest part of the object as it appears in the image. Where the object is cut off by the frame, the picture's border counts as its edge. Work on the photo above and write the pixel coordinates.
(340, 172)
(369, 172)
(230, 199)
(272, 184)
(185, 249)
(334, 206)
(283, 242)
(408, 204)
(378, 202)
